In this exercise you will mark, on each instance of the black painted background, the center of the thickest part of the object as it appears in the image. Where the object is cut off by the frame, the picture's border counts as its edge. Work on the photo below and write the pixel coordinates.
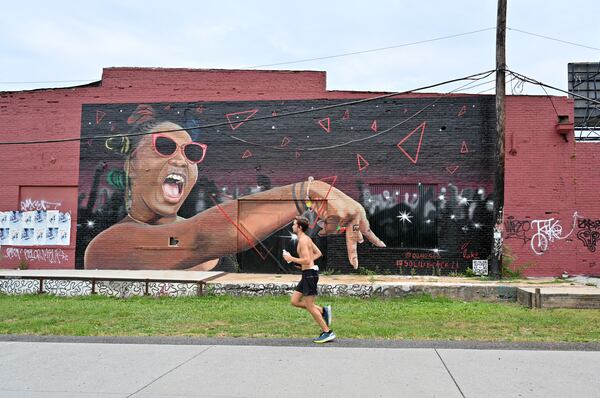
(229, 172)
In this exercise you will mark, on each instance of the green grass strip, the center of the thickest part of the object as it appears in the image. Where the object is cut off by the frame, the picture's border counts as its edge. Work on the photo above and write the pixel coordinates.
(417, 317)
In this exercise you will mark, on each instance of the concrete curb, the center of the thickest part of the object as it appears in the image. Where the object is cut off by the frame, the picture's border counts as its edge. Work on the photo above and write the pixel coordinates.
(340, 342)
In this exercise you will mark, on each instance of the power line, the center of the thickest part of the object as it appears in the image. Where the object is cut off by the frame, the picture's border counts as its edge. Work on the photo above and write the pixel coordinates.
(554, 39)
(399, 123)
(493, 87)
(538, 83)
(371, 136)
(345, 54)
(371, 50)
(297, 61)
(475, 77)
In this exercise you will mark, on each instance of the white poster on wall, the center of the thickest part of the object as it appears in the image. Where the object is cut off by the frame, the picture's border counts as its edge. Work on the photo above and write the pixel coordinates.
(64, 228)
(52, 236)
(40, 225)
(4, 219)
(39, 234)
(14, 225)
(26, 237)
(4, 236)
(35, 228)
(52, 218)
(27, 219)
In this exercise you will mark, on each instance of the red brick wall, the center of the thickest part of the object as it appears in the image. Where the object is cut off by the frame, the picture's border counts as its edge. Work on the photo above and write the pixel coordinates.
(547, 178)
(587, 182)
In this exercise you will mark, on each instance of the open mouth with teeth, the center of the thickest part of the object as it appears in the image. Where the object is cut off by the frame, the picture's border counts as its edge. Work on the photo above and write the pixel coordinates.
(173, 187)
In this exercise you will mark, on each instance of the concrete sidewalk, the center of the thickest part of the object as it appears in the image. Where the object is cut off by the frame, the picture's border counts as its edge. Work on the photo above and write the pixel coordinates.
(63, 369)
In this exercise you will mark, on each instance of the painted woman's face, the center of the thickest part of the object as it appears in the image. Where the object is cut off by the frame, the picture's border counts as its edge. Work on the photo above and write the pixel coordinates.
(163, 169)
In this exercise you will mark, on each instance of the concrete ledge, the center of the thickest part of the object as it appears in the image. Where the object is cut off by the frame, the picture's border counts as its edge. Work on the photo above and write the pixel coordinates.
(191, 283)
(559, 297)
(460, 292)
(105, 282)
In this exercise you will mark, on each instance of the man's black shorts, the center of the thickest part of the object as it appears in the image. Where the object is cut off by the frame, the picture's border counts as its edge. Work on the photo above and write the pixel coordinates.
(308, 283)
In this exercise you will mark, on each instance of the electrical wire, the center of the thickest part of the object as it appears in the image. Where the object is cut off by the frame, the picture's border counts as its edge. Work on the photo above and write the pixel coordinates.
(391, 128)
(347, 103)
(346, 54)
(538, 83)
(550, 98)
(372, 50)
(554, 39)
(292, 62)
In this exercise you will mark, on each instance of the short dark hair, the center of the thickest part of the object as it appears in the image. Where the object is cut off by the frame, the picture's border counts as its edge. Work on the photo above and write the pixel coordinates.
(302, 222)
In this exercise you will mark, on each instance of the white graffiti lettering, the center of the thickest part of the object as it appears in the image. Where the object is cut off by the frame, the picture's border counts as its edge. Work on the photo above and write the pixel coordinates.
(46, 256)
(547, 231)
(12, 253)
(30, 204)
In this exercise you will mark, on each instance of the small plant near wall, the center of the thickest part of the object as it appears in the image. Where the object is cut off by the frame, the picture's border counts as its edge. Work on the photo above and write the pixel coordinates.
(510, 272)
(23, 264)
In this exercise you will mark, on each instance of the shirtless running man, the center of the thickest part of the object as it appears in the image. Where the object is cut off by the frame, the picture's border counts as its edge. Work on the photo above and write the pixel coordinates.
(306, 292)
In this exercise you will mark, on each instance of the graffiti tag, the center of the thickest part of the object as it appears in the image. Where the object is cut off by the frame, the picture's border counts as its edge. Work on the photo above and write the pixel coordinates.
(30, 204)
(588, 234)
(46, 256)
(516, 229)
(548, 231)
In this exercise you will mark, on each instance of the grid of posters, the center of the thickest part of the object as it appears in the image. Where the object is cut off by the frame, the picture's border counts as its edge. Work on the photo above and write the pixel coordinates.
(35, 228)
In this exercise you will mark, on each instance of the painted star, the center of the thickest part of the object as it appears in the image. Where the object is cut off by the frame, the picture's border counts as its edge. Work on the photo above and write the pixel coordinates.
(405, 216)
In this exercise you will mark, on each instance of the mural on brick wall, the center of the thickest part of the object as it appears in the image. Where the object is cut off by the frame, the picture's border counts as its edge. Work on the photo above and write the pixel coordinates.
(399, 185)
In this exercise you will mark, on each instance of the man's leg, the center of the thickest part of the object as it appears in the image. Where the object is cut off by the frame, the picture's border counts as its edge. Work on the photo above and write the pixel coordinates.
(297, 301)
(315, 311)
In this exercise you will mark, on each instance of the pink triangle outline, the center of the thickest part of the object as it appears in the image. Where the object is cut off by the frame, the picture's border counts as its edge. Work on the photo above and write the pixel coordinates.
(328, 128)
(246, 154)
(250, 113)
(422, 127)
(452, 169)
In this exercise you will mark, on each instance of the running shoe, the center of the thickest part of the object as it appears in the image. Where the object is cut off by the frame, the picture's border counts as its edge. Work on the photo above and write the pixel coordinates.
(325, 337)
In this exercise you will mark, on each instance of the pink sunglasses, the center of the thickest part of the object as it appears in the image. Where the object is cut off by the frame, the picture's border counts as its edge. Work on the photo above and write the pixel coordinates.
(166, 146)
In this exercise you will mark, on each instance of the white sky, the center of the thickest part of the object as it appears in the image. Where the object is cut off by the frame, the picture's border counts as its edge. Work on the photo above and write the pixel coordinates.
(56, 40)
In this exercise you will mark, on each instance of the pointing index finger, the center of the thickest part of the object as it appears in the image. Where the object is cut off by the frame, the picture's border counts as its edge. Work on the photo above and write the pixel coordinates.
(370, 235)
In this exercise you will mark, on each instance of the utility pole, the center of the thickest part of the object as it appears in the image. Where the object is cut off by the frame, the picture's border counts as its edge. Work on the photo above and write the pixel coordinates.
(496, 258)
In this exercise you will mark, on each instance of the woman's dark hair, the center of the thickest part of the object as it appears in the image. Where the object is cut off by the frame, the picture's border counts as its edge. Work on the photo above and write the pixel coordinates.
(138, 132)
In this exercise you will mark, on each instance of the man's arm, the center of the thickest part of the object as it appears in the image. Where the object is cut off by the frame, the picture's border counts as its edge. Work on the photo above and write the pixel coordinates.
(305, 252)
(315, 250)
